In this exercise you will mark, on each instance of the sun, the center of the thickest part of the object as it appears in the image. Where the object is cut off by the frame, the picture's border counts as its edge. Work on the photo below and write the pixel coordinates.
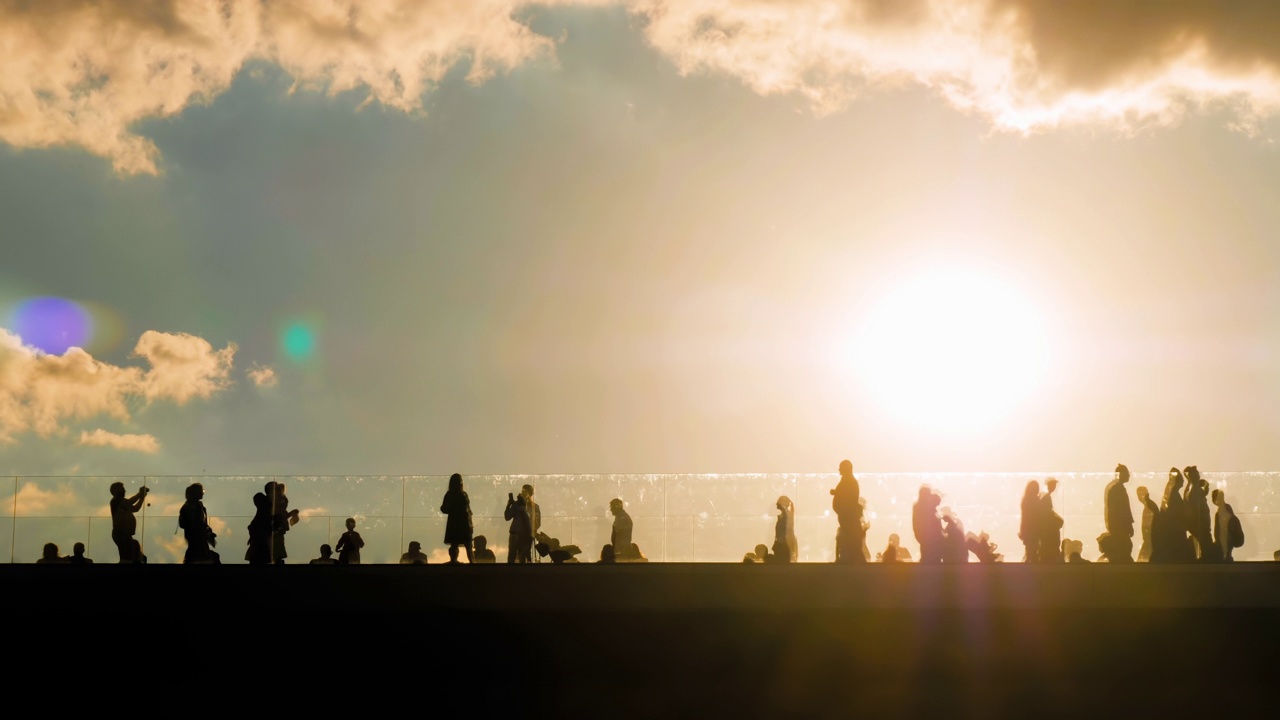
(951, 351)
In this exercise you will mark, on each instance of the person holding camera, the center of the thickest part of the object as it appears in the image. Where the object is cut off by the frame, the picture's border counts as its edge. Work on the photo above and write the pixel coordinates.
(194, 521)
(521, 547)
(124, 524)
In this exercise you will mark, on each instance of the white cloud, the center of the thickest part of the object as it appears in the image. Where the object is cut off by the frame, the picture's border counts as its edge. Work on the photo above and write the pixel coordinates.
(102, 438)
(41, 393)
(263, 376)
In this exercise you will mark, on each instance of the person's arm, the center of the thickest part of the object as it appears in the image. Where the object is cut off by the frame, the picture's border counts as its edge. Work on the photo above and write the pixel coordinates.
(359, 541)
(342, 542)
(135, 502)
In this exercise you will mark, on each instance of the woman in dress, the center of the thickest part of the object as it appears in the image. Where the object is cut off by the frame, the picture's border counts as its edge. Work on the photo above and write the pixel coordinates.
(1029, 531)
(784, 532)
(458, 527)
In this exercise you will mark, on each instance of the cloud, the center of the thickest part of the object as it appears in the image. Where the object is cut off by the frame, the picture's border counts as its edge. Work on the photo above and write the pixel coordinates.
(41, 393)
(82, 72)
(102, 438)
(263, 376)
(1024, 64)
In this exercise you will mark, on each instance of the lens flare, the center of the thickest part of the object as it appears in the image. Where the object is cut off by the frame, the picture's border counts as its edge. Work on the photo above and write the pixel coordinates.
(298, 342)
(52, 324)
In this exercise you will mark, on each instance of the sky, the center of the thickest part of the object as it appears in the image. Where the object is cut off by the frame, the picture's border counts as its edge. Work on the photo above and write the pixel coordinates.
(706, 236)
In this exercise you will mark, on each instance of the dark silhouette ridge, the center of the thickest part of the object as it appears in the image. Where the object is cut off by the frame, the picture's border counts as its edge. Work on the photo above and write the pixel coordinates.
(349, 545)
(1117, 516)
(194, 521)
(482, 552)
(521, 531)
(845, 503)
(458, 526)
(326, 556)
(1050, 525)
(784, 531)
(1030, 530)
(414, 555)
(926, 525)
(77, 555)
(50, 556)
(124, 524)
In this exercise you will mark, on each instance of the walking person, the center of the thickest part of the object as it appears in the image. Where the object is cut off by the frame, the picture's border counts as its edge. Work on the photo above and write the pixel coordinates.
(845, 502)
(194, 521)
(784, 531)
(1118, 517)
(1029, 531)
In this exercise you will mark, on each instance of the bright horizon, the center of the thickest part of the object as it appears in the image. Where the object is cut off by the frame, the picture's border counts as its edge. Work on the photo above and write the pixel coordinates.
(499, 237)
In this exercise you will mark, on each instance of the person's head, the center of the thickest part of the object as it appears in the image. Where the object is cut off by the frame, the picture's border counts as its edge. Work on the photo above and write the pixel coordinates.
(527, 491)
(894, 539)
(78, 549)
(1050, 485)
(762, 552)
(1105, 544)
(784, 504)
(1143, 493)
(117, 489)
(351, 523)
(195, 491)
(1276, 556)
(615, 506)
(846, 469)
(481, 542)
(925, 493)
(415, 547)
(325, 551)
(1218, 497)
(1032, 490)
(1122, 473)
(606, 553)
(455, 482)
(279, 489)
(1193, 474)
(1175, 478)
(50, 551)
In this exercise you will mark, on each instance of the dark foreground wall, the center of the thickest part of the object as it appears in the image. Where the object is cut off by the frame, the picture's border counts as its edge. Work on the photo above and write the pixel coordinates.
(670, 640)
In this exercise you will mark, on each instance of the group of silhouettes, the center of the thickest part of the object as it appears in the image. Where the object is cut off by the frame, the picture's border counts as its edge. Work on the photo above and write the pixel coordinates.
(1180, 528)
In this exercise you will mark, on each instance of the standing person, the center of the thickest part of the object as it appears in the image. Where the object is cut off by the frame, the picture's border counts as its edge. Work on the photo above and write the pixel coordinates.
(521, 529)
(194, 521)
(1029, 531)
(1227, 533)
(1169, 542)
(282, 519)
(784, 531)
(1051, 538)
(349, 545)
(259, 552)
(535, 510)
(458, 527)
(1198, 521)
(926, 525)
(845, 503)
(1118, 517)
(620, 537)
(124, 524)
(1149, 510)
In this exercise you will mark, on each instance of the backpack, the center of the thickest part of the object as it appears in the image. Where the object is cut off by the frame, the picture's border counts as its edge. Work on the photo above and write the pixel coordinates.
(1235, 533)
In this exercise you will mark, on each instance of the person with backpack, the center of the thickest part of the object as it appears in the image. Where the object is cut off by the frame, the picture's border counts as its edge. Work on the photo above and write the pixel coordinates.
(1227, 532)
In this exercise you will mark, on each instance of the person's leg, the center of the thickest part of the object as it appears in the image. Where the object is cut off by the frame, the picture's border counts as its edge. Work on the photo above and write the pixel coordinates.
(470, 557)
(513, 549)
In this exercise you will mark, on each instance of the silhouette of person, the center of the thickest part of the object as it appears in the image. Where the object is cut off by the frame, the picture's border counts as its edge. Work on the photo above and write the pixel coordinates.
(1073, 550)
(1169, 541)
(1149, 512)
(124, 524)
(457, 509)
(633, 554)
(844, 502)
(534, 509)
(955, 547)
(414, 556)
(349, 545)
(1030, 531)
(1051, 526)
(1198, 520)
(482, 552)
(982, 547)
(521, 530)
(865, 525)
(77, 555)
(926, 525)
(784, 531)
(894, 552)
(620, 537)
(259, 552)
(1223, 521)
(1118, 518)
(607, 555)
(326, 556)
(194, 521)
(282, 519)
(50, 556)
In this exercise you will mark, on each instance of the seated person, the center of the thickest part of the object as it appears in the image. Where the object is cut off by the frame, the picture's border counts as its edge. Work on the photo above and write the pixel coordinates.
(607, 556)
(560, 554)
(894, 552)
(51, 556)
(762, 553)
(77, 555)
(414, 556)
(326, 556)
(632, 555)
(1074, 548)
(482, 552)
(982, 547)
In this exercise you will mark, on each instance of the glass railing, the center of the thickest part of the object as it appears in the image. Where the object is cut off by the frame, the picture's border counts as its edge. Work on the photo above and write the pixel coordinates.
(677, 518)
